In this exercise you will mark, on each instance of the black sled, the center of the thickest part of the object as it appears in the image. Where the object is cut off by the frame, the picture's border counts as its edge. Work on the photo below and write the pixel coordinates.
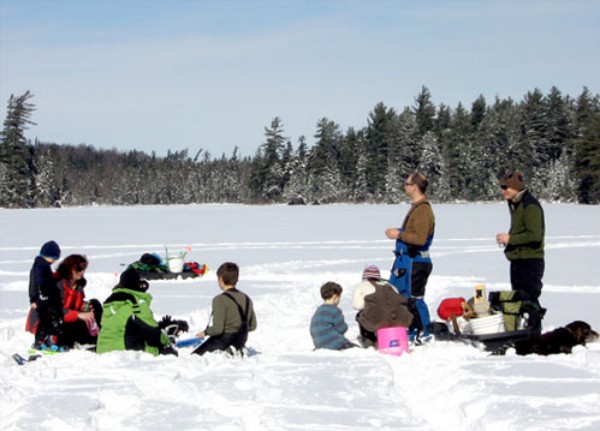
(153, 275)
(496, 344)
(522, 320)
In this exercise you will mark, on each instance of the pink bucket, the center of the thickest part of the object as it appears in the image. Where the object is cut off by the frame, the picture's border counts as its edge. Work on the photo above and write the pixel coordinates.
(392, 341)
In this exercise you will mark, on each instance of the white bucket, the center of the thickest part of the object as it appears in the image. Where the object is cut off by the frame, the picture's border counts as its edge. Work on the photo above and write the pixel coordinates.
(485, 325)
(175, 264)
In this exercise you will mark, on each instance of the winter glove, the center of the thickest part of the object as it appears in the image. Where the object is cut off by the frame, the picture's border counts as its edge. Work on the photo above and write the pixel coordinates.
(173, 327)
(169, 349)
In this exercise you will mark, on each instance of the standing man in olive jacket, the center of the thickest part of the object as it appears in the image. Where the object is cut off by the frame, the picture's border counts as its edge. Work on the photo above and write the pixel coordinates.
(524, 243)
(232, 315)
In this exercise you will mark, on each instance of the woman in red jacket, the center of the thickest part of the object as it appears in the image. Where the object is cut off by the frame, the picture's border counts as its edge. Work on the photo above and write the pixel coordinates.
(81, 318)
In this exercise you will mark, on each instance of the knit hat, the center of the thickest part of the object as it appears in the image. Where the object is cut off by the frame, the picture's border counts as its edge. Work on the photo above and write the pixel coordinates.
(513, 180)
(130, 279)
(371, 271)
(50, 250)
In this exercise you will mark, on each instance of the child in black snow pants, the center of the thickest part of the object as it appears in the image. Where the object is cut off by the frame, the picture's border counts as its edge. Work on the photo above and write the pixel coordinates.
(45, 315)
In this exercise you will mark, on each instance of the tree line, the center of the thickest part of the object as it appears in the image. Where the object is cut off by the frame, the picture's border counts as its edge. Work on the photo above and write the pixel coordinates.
(553, 139)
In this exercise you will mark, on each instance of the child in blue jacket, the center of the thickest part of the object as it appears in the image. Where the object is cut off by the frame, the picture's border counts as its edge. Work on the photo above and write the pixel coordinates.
(327, 326)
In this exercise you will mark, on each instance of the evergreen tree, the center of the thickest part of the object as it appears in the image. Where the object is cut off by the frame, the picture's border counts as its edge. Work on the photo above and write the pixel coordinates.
(359, 187)
(456, 145)
(203, 180)
(257, 176)
(443, 120)
(47, 190)
(225, 180)
(286, 162)
(586, 106)
(351, 148)
(587, 161)
(560, 128)
(536, 145)
(401, 156)
(302, 151)
(434, 167)
(3, 184)
(15, 156)
(267, 171)
(298, 185)
(274, 148)
(503, 133)
(326, 183)
(326, 151)
(478, 111)
(405, 151)
(554, 182)
(424, 110)
(394, 181)
(380, 133)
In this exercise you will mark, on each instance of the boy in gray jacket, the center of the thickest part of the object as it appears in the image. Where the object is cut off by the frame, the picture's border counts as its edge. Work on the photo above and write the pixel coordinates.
(232, 315)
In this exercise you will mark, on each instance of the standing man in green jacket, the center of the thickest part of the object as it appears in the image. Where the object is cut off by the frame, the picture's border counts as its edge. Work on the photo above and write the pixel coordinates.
(232, 315)
(524, 243)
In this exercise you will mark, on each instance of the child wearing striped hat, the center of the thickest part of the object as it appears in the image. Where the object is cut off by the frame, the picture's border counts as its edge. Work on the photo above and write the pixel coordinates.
(379, 305)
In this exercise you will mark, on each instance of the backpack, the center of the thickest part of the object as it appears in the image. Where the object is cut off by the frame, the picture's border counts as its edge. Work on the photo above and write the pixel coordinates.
(451, 306)
(149, 262)
(515, 304)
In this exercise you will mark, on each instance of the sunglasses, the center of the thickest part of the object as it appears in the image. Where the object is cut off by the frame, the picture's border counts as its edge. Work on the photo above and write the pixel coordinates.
(503, 187)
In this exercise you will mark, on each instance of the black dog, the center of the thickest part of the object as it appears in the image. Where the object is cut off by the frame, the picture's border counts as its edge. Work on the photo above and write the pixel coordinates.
(561, 340)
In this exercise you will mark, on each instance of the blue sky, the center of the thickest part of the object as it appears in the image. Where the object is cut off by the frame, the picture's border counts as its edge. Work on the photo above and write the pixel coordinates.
(174, 74)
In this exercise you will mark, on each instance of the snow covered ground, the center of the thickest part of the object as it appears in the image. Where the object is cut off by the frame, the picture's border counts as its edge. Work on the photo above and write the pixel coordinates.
(285, 254)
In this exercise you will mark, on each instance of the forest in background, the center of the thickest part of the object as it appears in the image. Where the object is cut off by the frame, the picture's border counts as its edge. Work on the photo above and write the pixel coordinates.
(553, 139)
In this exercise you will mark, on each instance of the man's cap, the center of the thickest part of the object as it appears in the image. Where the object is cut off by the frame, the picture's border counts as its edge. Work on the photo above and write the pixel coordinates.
(513, 180)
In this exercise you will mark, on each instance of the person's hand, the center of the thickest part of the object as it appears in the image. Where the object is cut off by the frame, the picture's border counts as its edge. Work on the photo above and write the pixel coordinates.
(502, 238)
(201, 334)
(86, 316)
(392, 233)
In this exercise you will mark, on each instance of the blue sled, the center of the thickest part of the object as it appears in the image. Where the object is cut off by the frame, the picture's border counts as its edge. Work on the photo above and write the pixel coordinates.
(189, 342)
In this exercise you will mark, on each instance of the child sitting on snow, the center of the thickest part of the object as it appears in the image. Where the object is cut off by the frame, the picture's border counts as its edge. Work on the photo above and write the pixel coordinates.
(128, 322)
(327, 326)
(232, 316)
(379, 305)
